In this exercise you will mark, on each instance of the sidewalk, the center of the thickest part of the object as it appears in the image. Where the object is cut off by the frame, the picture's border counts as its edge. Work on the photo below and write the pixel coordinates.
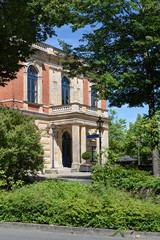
(82, 177)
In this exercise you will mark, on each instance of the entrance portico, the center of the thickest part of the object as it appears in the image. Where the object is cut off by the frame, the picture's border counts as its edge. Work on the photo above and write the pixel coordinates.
(71, 140)
(74, 123)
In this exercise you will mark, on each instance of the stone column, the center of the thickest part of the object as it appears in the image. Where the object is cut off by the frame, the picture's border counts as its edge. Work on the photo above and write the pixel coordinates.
(52, 152)
(56, 153)
(104, 144)
(75, 146)
(83, 141)
(58, 150)
(56, 88)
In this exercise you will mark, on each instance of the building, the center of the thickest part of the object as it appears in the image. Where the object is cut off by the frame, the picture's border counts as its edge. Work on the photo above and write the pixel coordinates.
(44, 90)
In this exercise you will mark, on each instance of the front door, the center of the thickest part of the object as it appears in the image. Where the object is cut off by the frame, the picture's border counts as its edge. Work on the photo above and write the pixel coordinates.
(66, 150)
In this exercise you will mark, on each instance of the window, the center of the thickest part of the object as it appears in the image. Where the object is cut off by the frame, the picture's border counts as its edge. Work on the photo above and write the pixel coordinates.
(65, 91)
(32, 85)
(93, 98)
(93, 153)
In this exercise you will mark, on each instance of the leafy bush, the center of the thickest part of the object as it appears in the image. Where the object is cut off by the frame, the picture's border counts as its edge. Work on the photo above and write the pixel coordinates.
(112, 156)
(86, 155)
(128, 179)
(74, 204)
(20, 150)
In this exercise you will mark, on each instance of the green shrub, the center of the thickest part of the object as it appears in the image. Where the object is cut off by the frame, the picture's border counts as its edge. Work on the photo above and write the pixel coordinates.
(20, 149)
(112, 157)
(74, 204)
(129, 179)
(86, 155)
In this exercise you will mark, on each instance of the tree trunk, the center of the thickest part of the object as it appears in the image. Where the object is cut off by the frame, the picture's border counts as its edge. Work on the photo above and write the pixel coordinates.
(155, 162)
(155, 151)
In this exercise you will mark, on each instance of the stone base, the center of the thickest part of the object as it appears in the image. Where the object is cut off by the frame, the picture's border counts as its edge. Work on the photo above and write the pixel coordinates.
(75, 167)
(50, 171)
(85, 169)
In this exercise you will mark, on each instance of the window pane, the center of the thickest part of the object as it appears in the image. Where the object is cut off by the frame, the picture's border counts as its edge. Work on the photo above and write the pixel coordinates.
(93, 153)
(35, 85)
(65, 91)
(32, 96)
(29, 82)
(32, 71)
(93, 98)
(32, 85)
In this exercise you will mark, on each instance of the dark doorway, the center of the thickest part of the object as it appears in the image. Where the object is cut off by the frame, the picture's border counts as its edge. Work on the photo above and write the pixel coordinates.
(66, 150)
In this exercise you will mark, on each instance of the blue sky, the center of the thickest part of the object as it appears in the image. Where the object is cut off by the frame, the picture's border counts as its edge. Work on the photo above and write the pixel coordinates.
(66, 35)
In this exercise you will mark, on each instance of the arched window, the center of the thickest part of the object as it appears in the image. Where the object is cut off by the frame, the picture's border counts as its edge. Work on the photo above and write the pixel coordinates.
(32, 85)
(65, 91)
(93, 98)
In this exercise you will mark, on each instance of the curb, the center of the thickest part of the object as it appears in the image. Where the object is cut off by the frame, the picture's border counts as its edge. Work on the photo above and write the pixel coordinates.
(79, 230)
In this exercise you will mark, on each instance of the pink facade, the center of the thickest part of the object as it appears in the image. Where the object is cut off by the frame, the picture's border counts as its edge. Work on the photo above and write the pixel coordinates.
(43, 89)
(13, 90)
(13, 93)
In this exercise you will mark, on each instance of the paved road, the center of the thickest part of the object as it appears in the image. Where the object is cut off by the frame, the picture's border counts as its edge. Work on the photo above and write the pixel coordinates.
(20, 234)
(16, 234)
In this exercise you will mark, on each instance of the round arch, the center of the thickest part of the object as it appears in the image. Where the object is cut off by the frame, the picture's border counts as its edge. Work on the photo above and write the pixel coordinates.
(32, 84)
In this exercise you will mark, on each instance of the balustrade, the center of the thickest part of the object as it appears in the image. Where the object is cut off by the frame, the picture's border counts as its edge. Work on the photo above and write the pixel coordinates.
(78, 108)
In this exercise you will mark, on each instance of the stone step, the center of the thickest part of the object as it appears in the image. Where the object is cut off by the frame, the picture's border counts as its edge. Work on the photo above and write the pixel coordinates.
(50, 171)
(58, 170)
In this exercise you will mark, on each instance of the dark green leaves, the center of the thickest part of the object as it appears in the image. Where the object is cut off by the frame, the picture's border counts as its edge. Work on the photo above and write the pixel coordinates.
(20, 150)
(23, 22)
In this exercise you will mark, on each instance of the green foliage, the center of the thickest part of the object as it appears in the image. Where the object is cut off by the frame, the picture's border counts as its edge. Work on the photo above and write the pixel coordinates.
(139, 129)
(148, 131)
(86, 155)
(23, 23)
(124, 141)
(122, 52)
(117, 133)
(75, 204)
(121, 231)
(20, 150)
(121, 48)
(3, 181)
(134, 180)
(112, 157)
(9, 182)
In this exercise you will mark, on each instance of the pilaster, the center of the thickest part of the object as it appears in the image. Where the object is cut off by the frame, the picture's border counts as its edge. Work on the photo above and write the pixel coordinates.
(83, 141)
(75, 146)
(104, 144)
(58, 151)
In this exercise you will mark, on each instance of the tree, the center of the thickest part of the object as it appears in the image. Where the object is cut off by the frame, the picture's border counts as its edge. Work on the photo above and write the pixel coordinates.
(143, 128)
(21, 153)
(117, 133)
(23, 22)
(122, 53)
(139, 129)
